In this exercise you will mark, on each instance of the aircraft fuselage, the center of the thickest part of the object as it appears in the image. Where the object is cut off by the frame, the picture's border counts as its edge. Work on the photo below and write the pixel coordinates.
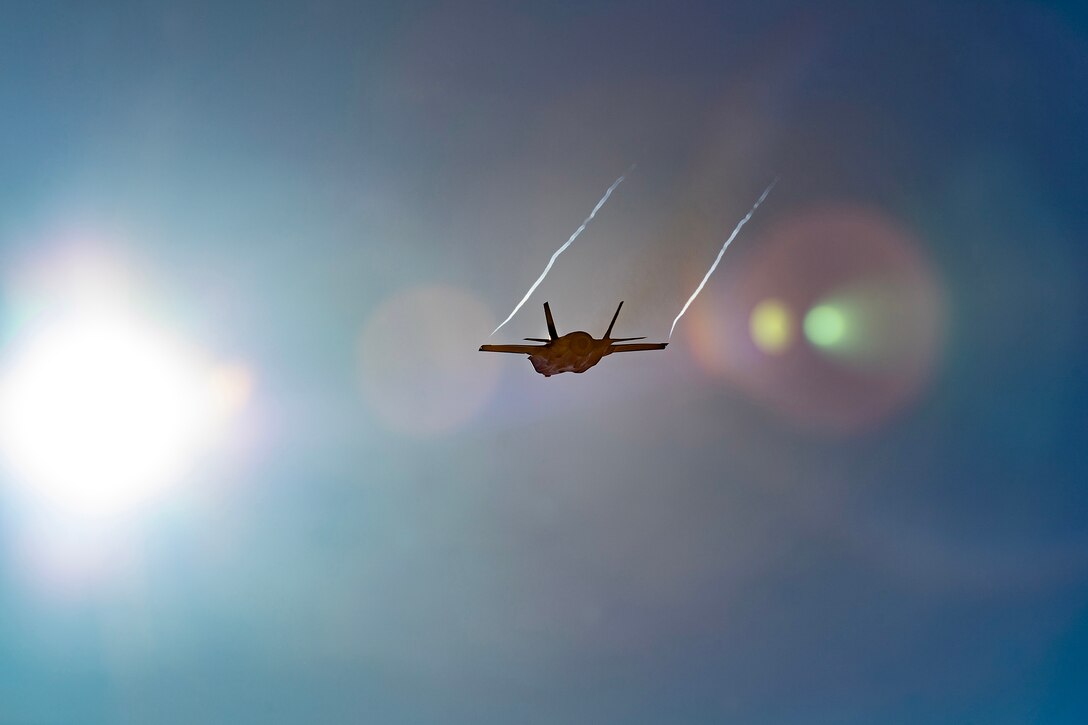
(574, 352)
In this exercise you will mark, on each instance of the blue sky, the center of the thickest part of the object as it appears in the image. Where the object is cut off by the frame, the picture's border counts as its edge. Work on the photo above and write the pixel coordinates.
(342, 200)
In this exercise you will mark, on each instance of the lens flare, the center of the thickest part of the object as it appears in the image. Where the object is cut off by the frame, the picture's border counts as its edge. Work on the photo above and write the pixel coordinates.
(826, 326)
(771, 326)
(420, 368)
(873, 320)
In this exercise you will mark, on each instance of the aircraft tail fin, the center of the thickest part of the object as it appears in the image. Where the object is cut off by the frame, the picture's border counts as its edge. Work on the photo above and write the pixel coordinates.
(551, 322)
(613, 322)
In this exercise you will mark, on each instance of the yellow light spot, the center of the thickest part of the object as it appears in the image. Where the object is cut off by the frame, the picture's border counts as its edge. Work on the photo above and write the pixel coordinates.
(771, 326)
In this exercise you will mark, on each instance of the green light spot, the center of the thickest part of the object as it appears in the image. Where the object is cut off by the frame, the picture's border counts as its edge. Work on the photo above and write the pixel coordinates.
(825, 325)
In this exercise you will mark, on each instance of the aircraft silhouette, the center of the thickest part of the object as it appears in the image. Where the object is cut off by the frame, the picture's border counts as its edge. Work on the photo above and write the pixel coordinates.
(574, 352)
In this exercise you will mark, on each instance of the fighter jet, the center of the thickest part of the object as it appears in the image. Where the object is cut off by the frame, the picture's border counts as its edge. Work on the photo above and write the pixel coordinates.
(574, 352)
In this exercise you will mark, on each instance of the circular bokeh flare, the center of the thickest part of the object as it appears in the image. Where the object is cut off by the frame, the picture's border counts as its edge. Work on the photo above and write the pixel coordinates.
(420, 366)
(869, 307)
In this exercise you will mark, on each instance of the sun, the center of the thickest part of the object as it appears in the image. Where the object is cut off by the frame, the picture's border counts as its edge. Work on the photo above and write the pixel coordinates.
(102, 410)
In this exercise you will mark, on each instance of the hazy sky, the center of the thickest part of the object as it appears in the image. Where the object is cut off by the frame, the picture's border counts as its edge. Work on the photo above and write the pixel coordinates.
(342, 200)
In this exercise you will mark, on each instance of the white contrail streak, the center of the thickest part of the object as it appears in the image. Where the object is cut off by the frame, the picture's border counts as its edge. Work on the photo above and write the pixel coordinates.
(725, 246)
(559, 251)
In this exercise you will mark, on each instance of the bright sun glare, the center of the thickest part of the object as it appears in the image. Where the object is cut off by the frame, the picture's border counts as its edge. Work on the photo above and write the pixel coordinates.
(101, 411)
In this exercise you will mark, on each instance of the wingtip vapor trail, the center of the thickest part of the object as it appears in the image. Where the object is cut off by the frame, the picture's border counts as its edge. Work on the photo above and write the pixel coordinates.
(736, 230)
(563, 248)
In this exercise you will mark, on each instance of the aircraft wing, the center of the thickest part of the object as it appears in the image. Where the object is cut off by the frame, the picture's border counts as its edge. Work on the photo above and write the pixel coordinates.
(519, 349)
(636, 346)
